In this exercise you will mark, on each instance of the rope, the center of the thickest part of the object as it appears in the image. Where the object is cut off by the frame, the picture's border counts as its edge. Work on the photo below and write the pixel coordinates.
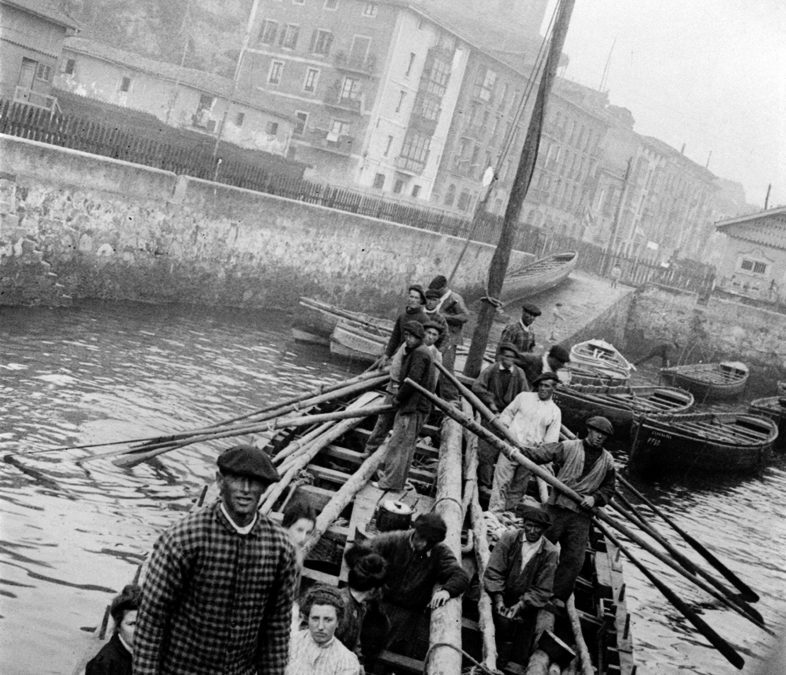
(478, 664)
(496, 302)
(447, 499)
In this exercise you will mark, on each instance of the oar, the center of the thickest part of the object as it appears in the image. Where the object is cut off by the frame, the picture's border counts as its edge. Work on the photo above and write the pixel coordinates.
(747, 592)
(279, 423)
(716, 640)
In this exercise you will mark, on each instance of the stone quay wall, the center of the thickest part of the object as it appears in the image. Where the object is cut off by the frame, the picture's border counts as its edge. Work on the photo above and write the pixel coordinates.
(75, 225)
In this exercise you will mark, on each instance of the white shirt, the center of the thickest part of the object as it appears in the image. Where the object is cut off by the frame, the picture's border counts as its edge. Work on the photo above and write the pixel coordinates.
(245, 529)
(528, 550)
(531, 420)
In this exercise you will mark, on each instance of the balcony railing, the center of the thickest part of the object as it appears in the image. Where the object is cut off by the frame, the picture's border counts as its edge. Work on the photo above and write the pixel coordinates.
(324, 139)
(364, 66)
(409, 165)
(34, 98)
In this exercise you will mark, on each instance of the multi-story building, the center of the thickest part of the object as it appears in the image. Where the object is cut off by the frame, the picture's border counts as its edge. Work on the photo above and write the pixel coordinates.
(182, 97)
(31, 39)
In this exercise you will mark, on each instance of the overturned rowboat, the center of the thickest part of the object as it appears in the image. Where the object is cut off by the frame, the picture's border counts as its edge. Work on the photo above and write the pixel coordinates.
(696, 443)
(706, 381)
(621, 403)
(537, 276)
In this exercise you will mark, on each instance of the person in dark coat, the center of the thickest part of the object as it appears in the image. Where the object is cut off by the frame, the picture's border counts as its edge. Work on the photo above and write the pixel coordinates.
(497, 386)
(519, 579)
(413, 311)
(115, 656)
(452, 306)
(535, 365)
(520, 333)
(423, 574)
(412, 409)
(436, 317)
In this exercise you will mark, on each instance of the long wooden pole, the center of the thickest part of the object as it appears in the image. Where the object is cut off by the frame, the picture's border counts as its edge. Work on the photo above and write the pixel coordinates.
(529, 154)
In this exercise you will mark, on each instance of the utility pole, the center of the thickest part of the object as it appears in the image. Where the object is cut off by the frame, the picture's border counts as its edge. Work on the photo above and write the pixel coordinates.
(529, 154)
(246, 39)
(767, 198)
(173, 98)
(611, 248)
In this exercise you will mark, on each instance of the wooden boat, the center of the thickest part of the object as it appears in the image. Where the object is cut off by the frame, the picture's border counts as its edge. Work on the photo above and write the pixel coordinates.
(580, 373)
(337, 481)
(600, 354)
(773, 407)
(620, 404)
(316, 321)
(701, 443)
(537, 276)
(706, 381)
(358, 341)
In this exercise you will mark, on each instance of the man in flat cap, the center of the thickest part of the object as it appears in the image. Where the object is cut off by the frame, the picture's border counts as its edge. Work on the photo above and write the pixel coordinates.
(413, 311)
(435, 316)
(535, 365)
(412, 409)
(217, 596)
(586, 467)
(422, 574)
(497, 386)
(532, 418)
(520, 333)
(519, 579)
(452, 306)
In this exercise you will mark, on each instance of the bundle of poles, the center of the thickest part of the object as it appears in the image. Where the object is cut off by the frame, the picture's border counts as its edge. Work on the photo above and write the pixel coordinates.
(737, 598)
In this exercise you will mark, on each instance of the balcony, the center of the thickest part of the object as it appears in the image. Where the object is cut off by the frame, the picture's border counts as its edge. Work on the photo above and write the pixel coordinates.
(334, 99)
(353, 64)
(422, 124)
(324, 139)
(408, 165)
(36, 99)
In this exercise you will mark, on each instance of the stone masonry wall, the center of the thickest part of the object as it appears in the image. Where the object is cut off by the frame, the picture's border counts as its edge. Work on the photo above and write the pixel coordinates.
(119, 231)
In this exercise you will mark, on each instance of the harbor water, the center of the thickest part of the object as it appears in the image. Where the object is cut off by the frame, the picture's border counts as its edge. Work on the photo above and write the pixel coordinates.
(73, 532)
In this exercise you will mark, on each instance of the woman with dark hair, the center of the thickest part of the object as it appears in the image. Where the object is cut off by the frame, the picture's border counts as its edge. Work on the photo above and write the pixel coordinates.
(115, 656)
(299, 521)
(315, 650)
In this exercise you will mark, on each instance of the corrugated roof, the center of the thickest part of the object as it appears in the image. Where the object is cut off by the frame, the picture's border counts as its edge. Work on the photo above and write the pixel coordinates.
(201, 80)
(767, 228)
(45, 9)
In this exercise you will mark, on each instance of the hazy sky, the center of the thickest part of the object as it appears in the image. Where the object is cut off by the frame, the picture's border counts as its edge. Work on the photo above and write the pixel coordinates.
(707, 73)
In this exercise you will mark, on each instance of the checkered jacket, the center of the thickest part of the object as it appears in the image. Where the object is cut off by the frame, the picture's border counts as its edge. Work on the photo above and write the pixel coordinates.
(215, 601)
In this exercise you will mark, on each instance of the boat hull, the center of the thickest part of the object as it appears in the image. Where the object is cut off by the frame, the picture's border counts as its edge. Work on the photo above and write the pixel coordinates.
(773, 407)
(701, 443)
(705, 381)
(316, 320)
(352, 342)
(538, 276)
(600, 354)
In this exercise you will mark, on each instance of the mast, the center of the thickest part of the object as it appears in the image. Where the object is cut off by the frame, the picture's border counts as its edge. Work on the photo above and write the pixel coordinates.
(529, 153)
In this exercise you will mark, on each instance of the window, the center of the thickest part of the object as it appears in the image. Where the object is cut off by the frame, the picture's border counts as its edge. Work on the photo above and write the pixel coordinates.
(44, 72)
(428, 108)
(310, 82)
(125, 84)
(300, 123)
(379, 181)
(267, 33)
(415, 190)
(239, 119)
(416, 146)
(274, 75)
(337, 128)
(359, 50)
(289, 36)
(69, 67)
(350, 89)
(398, 187)
(484, 87)
(411, 63)
(753, 266)
(463, 200)
(321, 41)
(438, 77)
(370, 9)
(401, 96)
(298, 2)
(450, 195)
(271, 128)
(330, 4)
(387, 147)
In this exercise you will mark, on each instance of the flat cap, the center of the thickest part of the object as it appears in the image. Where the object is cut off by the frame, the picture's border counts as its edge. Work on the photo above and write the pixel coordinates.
(432, 324)
(415, 328)
(438, 282)
(531, 309)
(432, 293)
(431, 527)
(246, 460)
(533, 513)
(545, 377)
(559, 353)
(508, 347)
(418, 289)
(599, 423)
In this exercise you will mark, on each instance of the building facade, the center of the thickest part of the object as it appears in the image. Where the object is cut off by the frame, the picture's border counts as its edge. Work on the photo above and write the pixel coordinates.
(31, 41)
(181, 97)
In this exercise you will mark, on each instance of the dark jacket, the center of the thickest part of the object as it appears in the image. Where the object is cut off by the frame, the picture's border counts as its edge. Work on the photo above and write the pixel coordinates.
(418, 366)
(455, 311)
(397, 336)
(488, 386)
(113, 659)
(523, 338)
(411, 577)
(532, 365)
(443, 341)
(533, 584)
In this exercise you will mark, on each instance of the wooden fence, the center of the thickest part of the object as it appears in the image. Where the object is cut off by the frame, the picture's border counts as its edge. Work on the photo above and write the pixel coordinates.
(274, 175)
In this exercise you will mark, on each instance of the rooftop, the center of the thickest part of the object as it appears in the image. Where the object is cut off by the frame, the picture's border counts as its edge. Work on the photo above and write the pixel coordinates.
(767, 228)
(46, 9)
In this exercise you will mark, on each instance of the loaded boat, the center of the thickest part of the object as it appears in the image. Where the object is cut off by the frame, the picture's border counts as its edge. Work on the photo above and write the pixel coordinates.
(726, 379)
(621, 404)
(701, 443)
(537, 276)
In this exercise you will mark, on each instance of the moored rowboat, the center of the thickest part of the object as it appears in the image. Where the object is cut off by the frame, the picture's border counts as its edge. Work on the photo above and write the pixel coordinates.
(316, 321)
(620, 403)
(599, 354)
(701, 443)
(773, 407)
(580, 373)
(537, 276)
(726, 379)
